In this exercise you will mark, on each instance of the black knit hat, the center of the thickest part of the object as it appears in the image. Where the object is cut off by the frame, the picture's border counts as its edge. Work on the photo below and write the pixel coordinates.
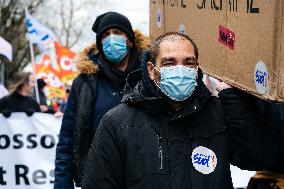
(109, 20)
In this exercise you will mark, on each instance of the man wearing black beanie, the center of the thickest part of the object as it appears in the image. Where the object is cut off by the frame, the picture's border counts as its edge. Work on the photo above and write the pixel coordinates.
(104, 68)
(112, 20)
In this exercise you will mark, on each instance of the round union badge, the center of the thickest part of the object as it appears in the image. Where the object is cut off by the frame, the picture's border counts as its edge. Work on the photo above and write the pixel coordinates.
(181, 29)
(204, 160)
(261, 77)
(159, 18)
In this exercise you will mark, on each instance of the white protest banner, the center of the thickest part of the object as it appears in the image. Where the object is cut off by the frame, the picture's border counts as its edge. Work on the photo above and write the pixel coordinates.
(27, 148)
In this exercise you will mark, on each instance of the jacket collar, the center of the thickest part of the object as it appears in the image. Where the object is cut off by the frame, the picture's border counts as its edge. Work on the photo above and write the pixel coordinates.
(136, 93)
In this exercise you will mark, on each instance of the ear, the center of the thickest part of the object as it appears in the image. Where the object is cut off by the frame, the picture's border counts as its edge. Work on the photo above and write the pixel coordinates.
(151, 70)
(129, 43)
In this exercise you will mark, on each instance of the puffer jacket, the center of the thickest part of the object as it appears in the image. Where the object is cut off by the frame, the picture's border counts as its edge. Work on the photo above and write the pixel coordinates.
(144, 144)
(80, 119)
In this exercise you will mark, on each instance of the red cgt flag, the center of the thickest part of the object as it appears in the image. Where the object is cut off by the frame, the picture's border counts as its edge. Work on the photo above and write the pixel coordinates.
(66, 60)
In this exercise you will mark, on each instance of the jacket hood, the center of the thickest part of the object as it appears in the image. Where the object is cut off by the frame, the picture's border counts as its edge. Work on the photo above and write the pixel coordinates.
(86, 66)
(135, 93)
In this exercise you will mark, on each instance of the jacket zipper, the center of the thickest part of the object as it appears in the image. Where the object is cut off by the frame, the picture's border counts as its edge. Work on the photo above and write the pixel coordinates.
(160, 153)
(160, 150)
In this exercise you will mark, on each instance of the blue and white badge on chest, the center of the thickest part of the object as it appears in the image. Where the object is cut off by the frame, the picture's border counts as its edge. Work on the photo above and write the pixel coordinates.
(204, 160)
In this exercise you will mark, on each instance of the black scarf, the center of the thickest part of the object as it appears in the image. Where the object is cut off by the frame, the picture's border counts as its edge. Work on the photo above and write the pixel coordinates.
(117, 77)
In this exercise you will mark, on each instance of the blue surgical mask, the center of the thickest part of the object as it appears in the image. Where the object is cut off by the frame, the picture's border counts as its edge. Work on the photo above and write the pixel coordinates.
(115, 48)
(178, 82)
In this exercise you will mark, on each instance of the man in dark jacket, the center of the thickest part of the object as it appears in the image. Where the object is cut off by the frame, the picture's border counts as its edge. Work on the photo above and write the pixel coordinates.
(96, 90)
(169, 132)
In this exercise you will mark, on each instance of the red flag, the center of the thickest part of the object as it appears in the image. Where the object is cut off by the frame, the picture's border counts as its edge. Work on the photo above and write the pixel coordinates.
(66, 61)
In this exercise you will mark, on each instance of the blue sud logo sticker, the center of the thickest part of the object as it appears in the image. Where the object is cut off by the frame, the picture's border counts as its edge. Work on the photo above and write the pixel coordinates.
(159, 18)
(181, 29)
(261, 77)
(204, 160)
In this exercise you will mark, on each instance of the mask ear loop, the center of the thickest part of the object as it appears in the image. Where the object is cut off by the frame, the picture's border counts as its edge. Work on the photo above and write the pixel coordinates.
(157, 75)
(196, 70)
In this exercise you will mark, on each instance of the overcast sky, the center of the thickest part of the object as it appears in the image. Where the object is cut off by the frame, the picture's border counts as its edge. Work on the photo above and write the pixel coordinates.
(136, 10)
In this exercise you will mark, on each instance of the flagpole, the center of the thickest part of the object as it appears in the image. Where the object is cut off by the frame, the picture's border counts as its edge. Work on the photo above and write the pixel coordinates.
(33, 61)
(34, 71)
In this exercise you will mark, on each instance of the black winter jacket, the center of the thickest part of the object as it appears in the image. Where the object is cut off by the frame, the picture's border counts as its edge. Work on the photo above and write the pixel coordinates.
(143, 144)
(82, 116)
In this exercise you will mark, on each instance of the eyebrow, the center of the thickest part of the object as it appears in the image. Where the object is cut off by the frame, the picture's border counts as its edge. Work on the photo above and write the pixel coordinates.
(172, 59)
(192, 58)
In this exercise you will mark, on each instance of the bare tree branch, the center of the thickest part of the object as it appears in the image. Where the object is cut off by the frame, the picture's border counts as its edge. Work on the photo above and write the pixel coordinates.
(67, 20)
(70, 23)
(13, 29)
(62, 17)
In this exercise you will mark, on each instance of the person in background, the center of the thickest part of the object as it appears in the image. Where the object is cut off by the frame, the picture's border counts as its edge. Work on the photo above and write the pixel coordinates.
(170, 132)
(42, 98)
(20, 97)
(61, 109)
(55, 103)
(103, 70)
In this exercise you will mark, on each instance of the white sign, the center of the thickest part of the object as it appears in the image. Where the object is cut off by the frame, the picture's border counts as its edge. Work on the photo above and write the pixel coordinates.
(27, 148)
(6, 49)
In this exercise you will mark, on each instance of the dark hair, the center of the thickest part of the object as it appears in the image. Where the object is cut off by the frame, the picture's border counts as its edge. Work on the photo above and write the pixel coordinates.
(19, 79)
(155, 45)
